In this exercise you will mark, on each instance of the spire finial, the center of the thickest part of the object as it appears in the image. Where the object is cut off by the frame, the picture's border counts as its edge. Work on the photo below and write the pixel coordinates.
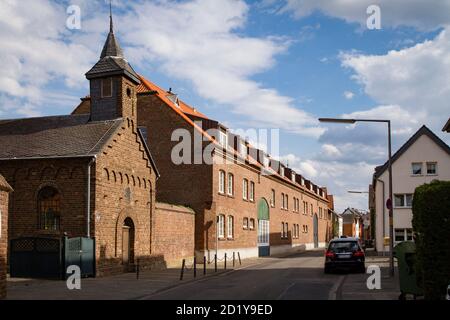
(111, 29)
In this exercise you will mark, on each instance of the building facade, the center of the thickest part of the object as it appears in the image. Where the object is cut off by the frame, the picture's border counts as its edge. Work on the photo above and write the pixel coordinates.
(5, 190)
(71, 175)
(422, 159)
(352, 223)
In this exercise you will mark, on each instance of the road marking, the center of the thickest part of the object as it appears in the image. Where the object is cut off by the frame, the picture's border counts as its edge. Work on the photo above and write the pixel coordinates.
(334, 290)
(285, 291)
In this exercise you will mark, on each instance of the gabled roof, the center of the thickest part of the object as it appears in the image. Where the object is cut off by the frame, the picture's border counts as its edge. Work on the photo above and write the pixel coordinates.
(54, 137)
(4, 186)
(147, 86)
(447, 126)
(422, 131)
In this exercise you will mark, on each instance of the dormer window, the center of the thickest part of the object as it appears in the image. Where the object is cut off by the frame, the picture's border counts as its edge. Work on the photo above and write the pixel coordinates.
(107, 88)
(303, 182)
(223, 138)
(243, 149)
(282, 171)
(293, 176)
(173, 98)
(266, 161)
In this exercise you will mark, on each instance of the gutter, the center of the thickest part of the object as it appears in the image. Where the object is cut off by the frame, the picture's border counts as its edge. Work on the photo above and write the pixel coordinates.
(88, 197)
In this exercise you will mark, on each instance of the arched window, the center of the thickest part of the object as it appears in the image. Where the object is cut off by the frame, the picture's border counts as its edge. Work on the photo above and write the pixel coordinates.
(49, 206)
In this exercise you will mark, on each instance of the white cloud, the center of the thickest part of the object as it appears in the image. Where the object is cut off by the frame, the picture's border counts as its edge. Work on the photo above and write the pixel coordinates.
(349, 95)
(424, 15)
(218, 60)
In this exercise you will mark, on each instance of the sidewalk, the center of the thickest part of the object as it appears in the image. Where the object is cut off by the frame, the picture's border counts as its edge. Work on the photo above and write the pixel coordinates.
(120, 287)
(354, 286)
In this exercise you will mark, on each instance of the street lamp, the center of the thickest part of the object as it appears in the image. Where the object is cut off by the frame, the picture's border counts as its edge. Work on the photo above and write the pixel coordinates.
(391, 209)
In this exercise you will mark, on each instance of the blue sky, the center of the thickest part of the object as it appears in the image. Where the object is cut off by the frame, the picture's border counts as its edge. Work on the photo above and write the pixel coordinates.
(252, 64)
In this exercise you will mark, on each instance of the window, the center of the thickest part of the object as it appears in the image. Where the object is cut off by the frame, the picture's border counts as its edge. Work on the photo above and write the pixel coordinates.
(252, 224)
(403, 200)
(417, 169)
(245, 224)
(243, 149)
(107, 88)
(221, 226)
(223, 138)
(287, 202)
(305, 207)
(283, 230)
(403, 235)
(230, 184)
(230, 227)
(431, 168)
(295, 203)
(287, 231)
(282, 171)
(49, 201)
(266, 161)
(221, 181)
(252, 191)
(245, 189)
(312, 210)
(283, 205)
(293, 176)
(272, 198)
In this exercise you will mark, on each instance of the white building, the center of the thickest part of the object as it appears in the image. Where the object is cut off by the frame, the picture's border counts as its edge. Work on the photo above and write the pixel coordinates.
(422, 159)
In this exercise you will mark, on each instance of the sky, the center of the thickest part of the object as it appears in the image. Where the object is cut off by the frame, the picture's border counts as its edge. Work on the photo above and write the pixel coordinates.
(269, 64)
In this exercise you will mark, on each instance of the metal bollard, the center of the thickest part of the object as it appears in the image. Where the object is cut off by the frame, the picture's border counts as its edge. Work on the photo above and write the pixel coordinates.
(204, 265)
(195, 267)
(234, 259)
(225, 261)
(182, 269)
(215, 263)
(239, 256)
(137, 269)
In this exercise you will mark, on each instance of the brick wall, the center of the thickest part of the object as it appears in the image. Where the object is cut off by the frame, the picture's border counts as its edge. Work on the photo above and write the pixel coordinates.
(173, 233)
(124, 189)
(3, 240)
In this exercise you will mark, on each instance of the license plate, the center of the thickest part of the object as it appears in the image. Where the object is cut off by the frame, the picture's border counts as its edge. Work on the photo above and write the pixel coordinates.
(344, 256)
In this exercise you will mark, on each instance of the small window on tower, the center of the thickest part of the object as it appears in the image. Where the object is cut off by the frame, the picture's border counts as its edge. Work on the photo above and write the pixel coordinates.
(106, 87)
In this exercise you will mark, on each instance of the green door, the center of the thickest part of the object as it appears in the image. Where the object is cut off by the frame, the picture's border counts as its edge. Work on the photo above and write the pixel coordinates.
(263, 228)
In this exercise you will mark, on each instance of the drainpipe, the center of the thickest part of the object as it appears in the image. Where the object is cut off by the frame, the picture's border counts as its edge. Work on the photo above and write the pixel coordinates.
(88, 206)
(384, 213)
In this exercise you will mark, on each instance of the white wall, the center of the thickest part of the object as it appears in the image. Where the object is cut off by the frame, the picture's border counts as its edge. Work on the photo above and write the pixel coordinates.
(423, 150)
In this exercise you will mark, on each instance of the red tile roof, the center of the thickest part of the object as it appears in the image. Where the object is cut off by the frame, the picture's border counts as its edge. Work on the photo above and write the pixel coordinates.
(147, 86)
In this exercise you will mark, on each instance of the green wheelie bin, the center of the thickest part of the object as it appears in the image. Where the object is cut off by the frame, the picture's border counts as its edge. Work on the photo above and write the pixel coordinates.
(405, 252)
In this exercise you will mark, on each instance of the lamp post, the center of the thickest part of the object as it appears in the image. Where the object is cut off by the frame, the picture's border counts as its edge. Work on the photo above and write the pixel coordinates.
(391, 209)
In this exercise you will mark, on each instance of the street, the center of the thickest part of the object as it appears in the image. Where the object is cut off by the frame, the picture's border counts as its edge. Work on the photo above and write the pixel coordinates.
(295, 277)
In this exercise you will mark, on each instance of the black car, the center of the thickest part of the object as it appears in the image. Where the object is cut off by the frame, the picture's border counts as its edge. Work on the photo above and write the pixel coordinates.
(345, 253)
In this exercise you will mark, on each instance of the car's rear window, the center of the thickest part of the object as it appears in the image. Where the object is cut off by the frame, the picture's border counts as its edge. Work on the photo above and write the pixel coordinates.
(343, 246)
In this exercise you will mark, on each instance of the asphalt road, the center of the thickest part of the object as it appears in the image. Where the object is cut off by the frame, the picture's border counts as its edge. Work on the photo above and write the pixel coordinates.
(296, 277)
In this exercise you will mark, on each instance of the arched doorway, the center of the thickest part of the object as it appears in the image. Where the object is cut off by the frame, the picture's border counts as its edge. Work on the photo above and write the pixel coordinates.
(263, 228)
(316, 231)
(128, 237)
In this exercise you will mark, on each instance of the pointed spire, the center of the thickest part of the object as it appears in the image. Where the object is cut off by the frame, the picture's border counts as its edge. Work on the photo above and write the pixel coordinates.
(111, 26)
(111, 47)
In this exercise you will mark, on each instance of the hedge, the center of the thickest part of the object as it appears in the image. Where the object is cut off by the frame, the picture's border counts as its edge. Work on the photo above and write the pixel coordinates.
(431, 223)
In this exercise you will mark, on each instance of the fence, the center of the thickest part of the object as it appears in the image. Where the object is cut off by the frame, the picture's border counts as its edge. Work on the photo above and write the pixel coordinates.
(193, 266)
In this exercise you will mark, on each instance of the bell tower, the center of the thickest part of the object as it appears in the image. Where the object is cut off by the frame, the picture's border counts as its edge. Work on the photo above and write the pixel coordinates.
(113, 83)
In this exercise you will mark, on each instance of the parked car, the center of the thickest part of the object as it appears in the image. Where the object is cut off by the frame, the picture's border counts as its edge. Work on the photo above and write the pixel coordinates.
(345, 253)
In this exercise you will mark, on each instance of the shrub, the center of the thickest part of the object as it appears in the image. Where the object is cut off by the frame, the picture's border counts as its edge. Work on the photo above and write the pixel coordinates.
(431, 223)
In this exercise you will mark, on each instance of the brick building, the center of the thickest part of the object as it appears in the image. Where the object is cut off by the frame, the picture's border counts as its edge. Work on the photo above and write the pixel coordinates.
(86, 175)
(5, 189)
(252, 204)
